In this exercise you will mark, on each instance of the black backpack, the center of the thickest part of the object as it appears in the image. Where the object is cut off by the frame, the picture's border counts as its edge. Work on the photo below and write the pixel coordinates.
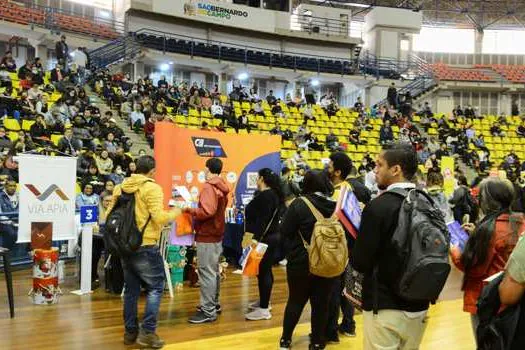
(421, 243)
(122, 236)
(498, 330)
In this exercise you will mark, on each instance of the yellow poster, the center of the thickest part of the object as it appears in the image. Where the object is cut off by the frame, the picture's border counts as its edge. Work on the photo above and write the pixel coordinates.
(447, 169)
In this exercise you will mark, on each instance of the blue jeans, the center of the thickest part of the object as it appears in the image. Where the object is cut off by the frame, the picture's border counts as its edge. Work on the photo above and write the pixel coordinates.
(143, 268)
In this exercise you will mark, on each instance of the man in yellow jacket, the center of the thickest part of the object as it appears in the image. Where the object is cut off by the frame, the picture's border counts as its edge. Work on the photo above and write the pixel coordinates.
(144, 267)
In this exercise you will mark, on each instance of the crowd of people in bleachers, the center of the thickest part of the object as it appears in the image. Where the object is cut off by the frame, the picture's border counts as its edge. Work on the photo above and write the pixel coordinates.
(49, 112)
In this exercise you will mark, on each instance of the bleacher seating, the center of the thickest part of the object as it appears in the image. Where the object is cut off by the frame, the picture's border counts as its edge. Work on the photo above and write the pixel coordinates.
(445, 72)
(341, 124)
(13, 12)
(248, 55)
(513, 73)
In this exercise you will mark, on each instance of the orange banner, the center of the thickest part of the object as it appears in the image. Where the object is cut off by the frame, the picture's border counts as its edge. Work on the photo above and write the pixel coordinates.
(181, 155)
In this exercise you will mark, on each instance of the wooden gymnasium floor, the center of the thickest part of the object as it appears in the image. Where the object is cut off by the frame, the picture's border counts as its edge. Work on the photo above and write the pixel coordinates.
(95, 321)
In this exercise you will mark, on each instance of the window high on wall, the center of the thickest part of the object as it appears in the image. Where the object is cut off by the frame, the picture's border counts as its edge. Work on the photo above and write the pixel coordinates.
(504, 41)
(432, 39)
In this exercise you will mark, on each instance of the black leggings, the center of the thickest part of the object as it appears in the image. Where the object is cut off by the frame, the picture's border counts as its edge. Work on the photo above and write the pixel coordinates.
(265, 276)
(302, 287)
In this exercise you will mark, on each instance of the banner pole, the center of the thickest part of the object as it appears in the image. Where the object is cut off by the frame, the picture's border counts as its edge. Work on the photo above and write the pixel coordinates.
(85, 263)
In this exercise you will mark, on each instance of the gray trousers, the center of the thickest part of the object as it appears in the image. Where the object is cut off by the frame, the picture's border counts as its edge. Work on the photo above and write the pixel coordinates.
(208, 255)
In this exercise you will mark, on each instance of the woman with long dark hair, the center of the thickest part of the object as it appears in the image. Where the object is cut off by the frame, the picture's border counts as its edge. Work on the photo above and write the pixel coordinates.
(303, 286)
(490, 243)
(262, 220)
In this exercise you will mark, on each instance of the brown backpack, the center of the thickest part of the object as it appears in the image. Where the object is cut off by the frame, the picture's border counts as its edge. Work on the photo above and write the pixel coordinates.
(327, 251)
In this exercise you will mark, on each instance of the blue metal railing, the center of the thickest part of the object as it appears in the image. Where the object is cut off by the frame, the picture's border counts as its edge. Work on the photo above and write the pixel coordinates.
(367, 63)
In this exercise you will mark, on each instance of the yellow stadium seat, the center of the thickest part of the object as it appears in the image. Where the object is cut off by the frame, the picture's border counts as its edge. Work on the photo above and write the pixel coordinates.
(11, 124)
(287, 144)
(193, 113)
(205, 113)
(78, 189)
(193, 121)
(223, 99)
(180, 119)
(26, 124)
(55, 138)
(13, 136)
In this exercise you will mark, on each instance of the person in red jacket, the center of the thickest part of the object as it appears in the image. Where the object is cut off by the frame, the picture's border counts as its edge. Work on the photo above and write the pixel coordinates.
(490, 243)
(209, 222)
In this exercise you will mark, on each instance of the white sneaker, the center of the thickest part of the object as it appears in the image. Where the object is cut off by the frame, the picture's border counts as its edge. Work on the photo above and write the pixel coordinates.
(258, 314)
(256, 305)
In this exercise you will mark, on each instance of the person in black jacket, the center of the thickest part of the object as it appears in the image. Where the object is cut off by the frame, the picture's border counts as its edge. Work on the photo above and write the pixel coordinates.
(262, 220)
(390, 322)
(302, 285)
(62, 51)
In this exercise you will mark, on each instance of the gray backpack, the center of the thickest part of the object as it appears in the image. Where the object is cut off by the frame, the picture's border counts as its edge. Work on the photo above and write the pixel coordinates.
(421, 243)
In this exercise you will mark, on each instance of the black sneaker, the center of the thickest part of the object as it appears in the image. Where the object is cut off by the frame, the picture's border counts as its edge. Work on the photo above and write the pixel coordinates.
(347, 333)
(201, 317)
(330, 339)
(149, 340)
(218, 308)
(130, 337)
(316, 347)
(285, 344)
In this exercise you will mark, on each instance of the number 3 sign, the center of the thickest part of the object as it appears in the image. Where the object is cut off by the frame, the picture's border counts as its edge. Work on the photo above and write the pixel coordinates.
(88, 214)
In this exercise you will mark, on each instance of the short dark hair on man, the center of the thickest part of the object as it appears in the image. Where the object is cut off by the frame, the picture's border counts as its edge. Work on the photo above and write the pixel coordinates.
(317, 181)
(462, 180)
(342, 162)
(145, 164)
(214, 165)
(404, 155)
(285, 171)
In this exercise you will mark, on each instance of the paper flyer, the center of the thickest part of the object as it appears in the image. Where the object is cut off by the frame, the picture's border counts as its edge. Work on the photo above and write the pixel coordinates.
(458, 236)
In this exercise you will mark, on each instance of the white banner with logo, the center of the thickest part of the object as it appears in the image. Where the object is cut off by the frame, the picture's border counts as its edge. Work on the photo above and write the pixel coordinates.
(47, 195)
(219, 12)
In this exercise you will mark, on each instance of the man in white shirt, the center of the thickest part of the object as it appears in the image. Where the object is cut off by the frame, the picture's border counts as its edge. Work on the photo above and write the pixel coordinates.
(216, 110)
(79, 58)
(137, 116)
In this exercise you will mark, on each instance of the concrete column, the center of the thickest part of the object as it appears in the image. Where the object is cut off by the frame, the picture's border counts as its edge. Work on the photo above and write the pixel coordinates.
(138, 70)
(368, 91)
(478, 42)
(505, 102)
(223, 83)
(41, 52)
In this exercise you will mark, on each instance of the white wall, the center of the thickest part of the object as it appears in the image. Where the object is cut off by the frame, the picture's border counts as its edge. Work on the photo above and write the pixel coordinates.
(444, 102)
(389, 44)
(394, 18)
(376, 94)
(135, 23)
(306, 49)
(197, 77)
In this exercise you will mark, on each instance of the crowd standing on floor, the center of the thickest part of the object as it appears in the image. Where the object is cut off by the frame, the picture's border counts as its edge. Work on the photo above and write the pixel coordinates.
(287, 208)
